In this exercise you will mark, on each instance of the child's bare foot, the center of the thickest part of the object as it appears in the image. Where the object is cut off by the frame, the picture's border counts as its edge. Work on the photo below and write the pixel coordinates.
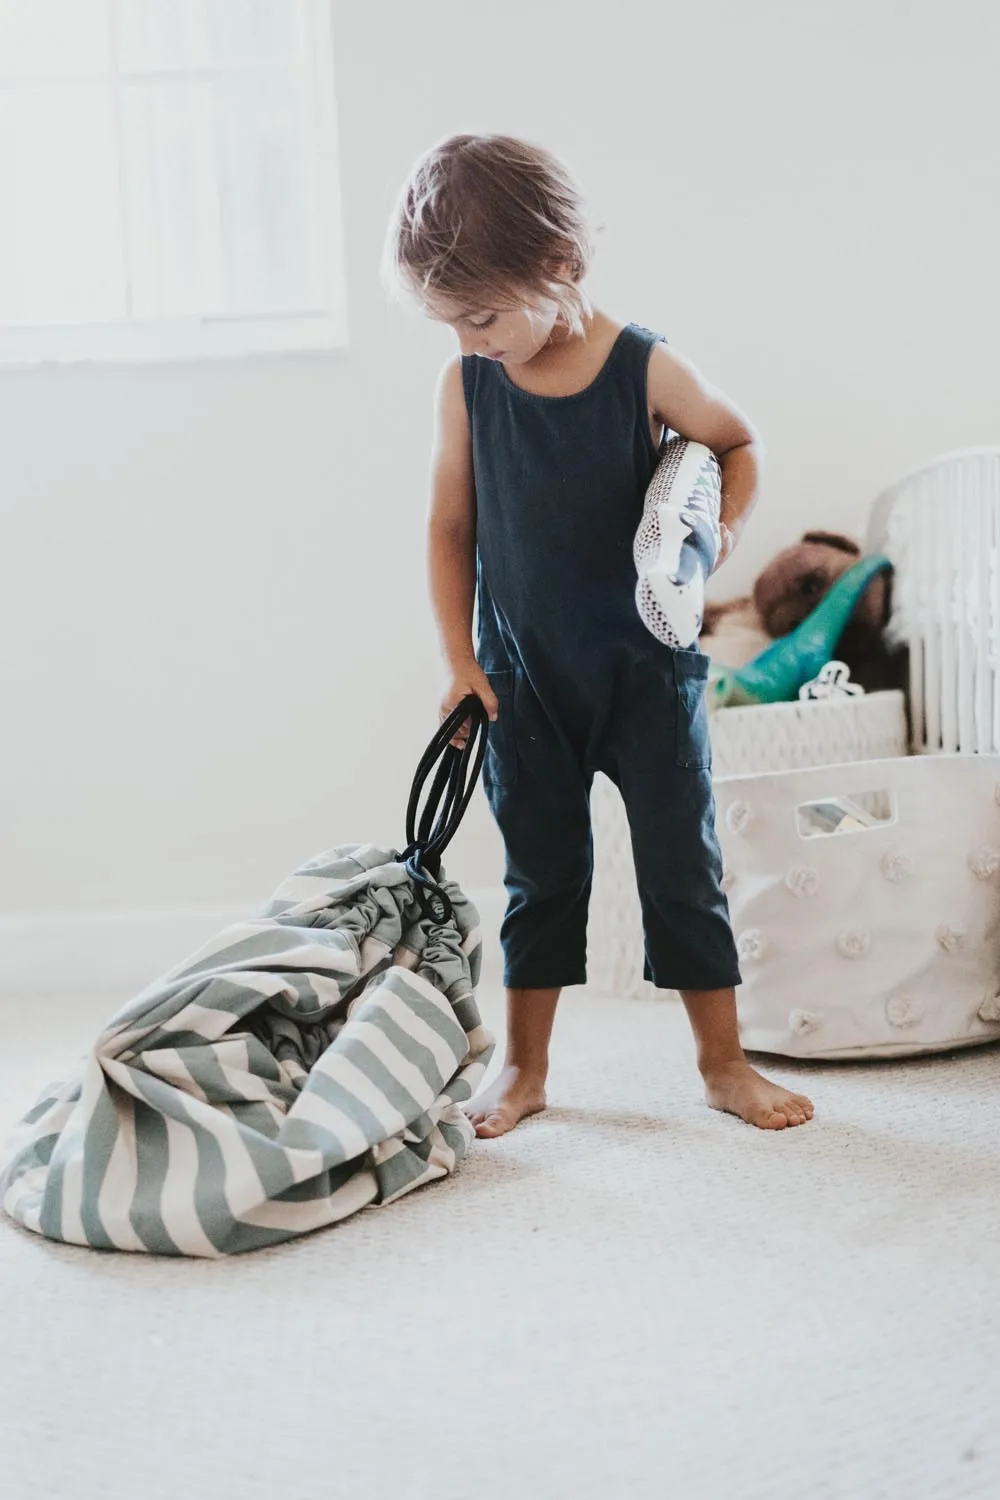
(740, 1090)
(513, 1096)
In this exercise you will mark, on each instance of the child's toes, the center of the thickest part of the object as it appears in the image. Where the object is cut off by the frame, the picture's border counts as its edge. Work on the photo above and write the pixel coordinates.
(740, 1089)
(784, 1110)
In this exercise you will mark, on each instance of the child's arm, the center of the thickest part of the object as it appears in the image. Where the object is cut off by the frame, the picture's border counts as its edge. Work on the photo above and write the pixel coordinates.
(451, 545)
(684, 401)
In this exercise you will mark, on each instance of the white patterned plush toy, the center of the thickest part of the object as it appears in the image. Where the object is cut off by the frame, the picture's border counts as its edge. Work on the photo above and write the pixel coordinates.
(678, 541)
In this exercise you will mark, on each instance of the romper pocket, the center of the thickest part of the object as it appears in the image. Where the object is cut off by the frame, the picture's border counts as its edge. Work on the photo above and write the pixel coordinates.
(501, 744)
(693, 746)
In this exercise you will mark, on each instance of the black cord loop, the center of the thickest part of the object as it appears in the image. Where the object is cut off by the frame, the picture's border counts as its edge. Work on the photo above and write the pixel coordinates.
(428, 833)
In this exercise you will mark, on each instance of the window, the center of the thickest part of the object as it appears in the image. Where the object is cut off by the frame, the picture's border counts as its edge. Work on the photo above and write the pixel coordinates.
(168, 179)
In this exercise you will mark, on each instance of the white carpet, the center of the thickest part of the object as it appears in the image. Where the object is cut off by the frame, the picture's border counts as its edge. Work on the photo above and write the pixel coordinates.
(628, 1297)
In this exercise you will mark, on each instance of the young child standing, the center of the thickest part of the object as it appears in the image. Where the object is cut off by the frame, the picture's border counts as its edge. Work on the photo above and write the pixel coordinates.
(549, 422)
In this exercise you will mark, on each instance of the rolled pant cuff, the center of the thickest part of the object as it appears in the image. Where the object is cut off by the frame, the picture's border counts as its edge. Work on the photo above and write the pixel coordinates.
(527, 981)
(666, 980)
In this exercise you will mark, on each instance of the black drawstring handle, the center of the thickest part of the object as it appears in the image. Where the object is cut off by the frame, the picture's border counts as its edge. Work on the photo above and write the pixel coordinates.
(451, 791)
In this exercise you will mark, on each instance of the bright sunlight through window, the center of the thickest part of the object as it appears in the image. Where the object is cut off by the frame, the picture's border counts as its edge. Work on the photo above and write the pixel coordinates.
(168, 179)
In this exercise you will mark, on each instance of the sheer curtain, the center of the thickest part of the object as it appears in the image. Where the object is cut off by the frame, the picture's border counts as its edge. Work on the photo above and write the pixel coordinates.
(168, 177)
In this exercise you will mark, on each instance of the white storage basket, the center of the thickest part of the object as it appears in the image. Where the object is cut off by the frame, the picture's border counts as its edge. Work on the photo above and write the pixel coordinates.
(880, 942)
(790, 736)
(866, 905)
(769, 737)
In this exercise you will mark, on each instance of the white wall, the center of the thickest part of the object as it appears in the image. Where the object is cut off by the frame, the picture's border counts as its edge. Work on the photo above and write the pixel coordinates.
(217, 655)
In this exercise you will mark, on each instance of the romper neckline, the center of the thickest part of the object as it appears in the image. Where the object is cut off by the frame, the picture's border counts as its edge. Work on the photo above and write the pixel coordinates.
(572, 395)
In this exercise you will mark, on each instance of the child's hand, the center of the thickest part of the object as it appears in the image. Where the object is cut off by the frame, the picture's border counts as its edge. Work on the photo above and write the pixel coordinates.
(469, 678)
(727, 543)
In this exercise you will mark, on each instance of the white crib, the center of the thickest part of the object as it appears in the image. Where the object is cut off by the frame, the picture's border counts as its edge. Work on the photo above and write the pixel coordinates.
(941, 528)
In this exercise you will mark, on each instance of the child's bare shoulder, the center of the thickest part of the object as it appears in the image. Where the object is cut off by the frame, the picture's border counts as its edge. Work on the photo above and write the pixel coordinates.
(450, 397)
(452, 432)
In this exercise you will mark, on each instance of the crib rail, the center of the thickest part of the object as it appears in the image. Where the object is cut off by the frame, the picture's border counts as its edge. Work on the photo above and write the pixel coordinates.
(940, 526)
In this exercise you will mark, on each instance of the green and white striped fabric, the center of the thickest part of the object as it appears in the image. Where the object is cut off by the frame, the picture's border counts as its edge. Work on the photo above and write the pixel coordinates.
(297, 1068)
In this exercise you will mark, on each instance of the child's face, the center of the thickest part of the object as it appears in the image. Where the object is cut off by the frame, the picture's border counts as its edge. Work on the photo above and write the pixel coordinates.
(513, 335)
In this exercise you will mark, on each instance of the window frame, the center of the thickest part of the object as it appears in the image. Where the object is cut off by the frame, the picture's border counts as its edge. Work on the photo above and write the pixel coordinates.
(139, 341)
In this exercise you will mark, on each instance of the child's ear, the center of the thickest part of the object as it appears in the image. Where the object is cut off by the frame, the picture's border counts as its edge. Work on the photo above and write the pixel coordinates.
(564, 267)
(833, 539)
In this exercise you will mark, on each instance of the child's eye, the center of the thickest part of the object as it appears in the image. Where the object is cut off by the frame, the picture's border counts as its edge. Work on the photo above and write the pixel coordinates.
(488, 323)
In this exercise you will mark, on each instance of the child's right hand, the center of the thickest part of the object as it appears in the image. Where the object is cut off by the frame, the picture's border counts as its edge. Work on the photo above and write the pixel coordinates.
(469, 678)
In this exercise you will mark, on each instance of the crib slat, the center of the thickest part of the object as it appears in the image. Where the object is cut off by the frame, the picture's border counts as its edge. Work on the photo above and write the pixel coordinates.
(984, 509)
(927, 615)
(907, 553)
(991, 632)
(918, 675)
(947, 606)
(963, 492)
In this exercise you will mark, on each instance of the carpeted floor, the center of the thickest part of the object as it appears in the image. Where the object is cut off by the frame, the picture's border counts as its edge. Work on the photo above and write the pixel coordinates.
(628, 1297)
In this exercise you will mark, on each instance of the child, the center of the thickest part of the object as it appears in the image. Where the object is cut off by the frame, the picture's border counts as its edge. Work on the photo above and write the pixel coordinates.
(549, 423)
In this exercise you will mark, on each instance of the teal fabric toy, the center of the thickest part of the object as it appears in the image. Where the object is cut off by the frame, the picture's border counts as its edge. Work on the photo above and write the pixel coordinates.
(776, 675)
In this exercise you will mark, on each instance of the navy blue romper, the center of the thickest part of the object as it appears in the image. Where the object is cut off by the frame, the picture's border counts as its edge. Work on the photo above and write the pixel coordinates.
(582, 684)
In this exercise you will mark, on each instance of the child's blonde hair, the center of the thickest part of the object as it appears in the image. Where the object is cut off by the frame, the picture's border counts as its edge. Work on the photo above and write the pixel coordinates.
(490, 221)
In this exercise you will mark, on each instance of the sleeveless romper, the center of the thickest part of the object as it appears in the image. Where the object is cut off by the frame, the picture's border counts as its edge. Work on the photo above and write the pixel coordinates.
(582, 684)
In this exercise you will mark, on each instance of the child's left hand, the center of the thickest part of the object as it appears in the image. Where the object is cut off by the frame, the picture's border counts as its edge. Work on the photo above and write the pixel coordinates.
(728, 542)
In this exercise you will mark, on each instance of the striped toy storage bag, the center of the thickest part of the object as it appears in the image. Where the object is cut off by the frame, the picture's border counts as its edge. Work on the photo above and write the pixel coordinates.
(865, 899)
(300, 1066)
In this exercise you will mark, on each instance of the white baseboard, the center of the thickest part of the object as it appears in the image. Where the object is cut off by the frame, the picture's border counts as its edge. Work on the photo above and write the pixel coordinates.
(117, 953)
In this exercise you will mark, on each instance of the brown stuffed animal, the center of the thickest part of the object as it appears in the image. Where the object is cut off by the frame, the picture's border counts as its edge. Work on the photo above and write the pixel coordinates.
(792, 585)
(787, 591)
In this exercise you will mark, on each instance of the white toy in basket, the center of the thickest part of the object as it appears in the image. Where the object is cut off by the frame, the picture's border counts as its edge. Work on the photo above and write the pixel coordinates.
(866, 905)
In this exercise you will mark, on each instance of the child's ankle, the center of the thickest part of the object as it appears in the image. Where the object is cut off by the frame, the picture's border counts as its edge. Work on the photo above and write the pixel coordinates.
(533, 1069)
(718, 1062)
